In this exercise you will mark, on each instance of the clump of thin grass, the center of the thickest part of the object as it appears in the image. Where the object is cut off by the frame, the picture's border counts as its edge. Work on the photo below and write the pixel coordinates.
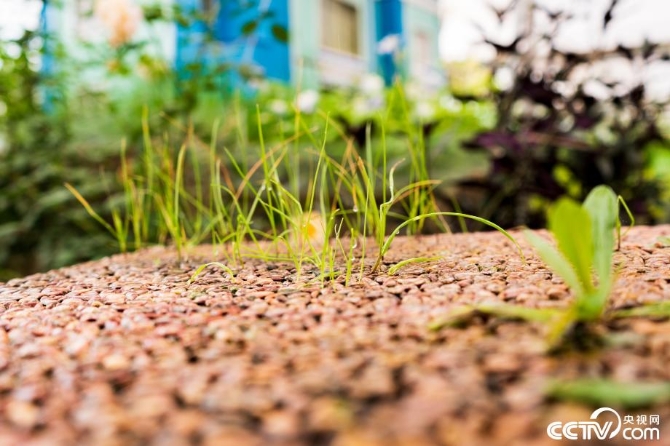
(292, 199)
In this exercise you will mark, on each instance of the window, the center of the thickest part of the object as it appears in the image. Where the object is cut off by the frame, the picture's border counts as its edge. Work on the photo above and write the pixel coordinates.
(340, 26)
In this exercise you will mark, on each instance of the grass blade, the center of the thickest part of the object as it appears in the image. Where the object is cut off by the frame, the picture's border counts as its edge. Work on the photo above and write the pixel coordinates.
(201, 268)
(394, 269)
(95, 215)
(387, 244)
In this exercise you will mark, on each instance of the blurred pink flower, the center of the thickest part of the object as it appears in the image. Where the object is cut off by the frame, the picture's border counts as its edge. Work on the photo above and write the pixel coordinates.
(120, 17)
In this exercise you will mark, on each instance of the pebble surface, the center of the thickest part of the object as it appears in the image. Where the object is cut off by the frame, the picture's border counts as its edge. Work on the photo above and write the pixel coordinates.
(123, 351)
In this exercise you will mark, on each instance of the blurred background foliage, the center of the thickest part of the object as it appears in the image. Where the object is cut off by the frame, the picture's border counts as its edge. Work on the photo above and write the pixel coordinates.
(504, 139)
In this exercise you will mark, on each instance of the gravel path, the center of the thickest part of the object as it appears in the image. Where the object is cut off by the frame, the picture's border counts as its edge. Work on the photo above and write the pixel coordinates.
(122, 352)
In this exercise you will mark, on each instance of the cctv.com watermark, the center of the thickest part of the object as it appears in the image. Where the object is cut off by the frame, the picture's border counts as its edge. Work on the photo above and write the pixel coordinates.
(634, 428)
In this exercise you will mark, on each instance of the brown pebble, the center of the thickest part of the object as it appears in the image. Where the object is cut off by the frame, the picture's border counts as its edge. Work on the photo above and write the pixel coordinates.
(115, 361)
(22, 413)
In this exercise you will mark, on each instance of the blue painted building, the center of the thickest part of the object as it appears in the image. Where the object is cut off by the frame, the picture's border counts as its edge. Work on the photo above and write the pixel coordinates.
(329, 41)
(310, 43)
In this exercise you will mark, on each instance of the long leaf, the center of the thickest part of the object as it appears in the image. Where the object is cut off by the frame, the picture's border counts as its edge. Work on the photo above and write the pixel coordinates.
(602, 206)
(556, 261)
(660, 309)
(603, 392)
(201, 268)
(387, 244)
(94, 214)
(571, 226)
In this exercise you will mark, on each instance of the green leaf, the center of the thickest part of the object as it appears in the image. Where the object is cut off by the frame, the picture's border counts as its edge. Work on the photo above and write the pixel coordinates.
(602, 206)
(507, 311)
(249, 27)
(603, 209)
(571, 225)
(603, 392)
(394, 269)
(556, 262)
(11, 229)
(280, 33)
(457, 317)
(660, 309)
(387, 244)
(463, 315)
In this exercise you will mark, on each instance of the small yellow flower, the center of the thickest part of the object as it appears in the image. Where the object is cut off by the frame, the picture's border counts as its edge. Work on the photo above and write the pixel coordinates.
(311, 231)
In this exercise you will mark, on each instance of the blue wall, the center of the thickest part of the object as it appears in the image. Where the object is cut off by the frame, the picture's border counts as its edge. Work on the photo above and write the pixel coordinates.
(389, 15)
(48, 28)
(258, 48)
(190, 38)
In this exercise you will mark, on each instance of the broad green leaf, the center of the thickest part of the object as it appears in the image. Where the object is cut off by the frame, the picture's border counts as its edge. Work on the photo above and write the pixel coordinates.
(557, 262)
(602, 206)
(571, 225)
(249, 27)
(280, 33)
(603, 392)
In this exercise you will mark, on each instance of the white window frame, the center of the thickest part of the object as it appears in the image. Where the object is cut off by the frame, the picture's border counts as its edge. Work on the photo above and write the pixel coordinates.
(359, 41)
(342, 68)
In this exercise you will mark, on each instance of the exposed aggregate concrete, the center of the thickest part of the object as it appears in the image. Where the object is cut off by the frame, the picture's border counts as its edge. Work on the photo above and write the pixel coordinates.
(123, 351)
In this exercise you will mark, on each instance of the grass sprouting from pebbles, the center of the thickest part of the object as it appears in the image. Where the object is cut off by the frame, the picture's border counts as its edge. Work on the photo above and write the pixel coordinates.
(329, 195)
(395, 268)
(201, 268)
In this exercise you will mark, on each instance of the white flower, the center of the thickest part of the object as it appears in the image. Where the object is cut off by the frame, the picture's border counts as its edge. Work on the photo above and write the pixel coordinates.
(371, 84)
(307, 100)
(504, 78)
(122, 18)
(424, 110)
(389, 44)
(597, 89)
(414, 91)
(364, 107)
(278, 107)
(451, 104)
(376, 103)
